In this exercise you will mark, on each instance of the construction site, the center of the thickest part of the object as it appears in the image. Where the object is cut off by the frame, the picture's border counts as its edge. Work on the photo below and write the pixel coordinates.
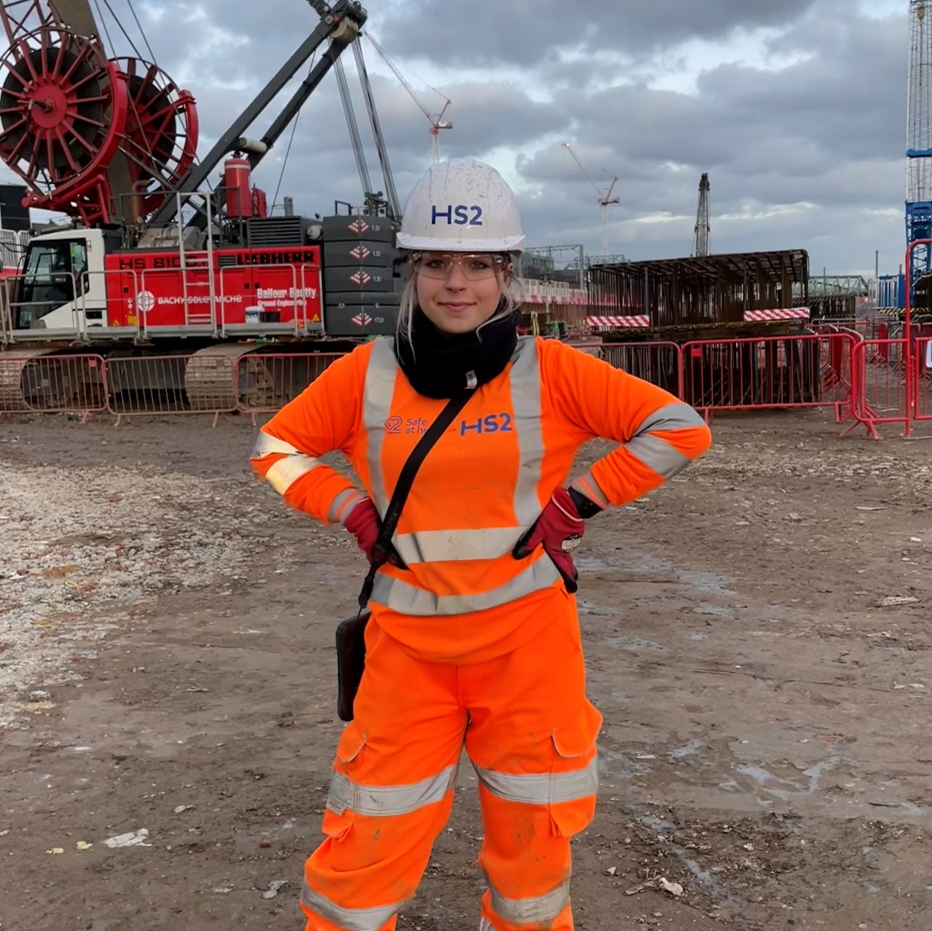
(756, 631)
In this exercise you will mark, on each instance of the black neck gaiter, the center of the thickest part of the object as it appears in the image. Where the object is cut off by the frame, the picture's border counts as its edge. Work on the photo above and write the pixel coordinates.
(439, 365)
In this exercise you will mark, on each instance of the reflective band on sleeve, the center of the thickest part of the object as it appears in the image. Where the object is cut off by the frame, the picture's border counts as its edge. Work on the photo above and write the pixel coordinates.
(542, 789)
(657, 454)
(343, 503)
(677, 416)
(444, 545)
(267, 445)
(525, 399)
(537, 910)
(408, 599)
(380, 386)
(353, 919)
(287, 471)
(346, 795)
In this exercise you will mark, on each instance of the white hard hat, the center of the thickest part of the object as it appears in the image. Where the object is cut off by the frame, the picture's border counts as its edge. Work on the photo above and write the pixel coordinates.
(461, 205)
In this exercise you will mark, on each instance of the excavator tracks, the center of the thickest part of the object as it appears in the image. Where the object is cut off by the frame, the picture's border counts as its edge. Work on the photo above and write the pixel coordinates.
(43, 380)
(243, 377)
(216, 379)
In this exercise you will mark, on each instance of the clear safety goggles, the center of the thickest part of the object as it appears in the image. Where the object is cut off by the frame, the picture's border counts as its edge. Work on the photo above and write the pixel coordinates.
(474, 266)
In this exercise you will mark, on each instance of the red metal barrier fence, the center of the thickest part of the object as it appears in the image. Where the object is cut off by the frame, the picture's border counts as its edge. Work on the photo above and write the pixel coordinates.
(922, 383)
(770, 373)
(659, 363)
(31, 383)
(268, 381)
(865, 382)
(882, 395)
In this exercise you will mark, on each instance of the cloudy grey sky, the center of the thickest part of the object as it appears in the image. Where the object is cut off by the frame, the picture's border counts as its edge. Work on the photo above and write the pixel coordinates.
(796, 108)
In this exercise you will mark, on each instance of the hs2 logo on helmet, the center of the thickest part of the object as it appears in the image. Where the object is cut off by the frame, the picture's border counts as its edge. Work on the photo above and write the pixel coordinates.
(456, 214)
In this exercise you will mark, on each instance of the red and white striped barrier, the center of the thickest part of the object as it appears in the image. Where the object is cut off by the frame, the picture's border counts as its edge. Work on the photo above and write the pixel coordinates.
(788, 313)
(750, 316)
(608, 323)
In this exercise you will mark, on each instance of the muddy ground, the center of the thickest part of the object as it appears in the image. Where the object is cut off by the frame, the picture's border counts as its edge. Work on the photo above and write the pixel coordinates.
(757, 637)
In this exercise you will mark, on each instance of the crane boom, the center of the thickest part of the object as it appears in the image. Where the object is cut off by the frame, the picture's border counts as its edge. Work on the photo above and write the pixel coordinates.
(375, 125)
(702, 231)
(341, 24)
(77, 16)
(355, 139)
(401, 78)
(582, 168)
(436, 121)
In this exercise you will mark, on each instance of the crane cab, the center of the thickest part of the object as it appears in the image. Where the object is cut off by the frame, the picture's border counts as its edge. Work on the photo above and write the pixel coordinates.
(60, 285)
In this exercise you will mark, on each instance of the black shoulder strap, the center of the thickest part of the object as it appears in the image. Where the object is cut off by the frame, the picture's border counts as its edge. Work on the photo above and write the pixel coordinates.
(403, 487)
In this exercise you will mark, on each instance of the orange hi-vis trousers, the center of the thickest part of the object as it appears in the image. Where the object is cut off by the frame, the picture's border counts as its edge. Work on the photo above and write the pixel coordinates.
(530, 734)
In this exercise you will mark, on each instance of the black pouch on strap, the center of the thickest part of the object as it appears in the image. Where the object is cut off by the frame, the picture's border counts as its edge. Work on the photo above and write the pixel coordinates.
(351, 660)
(351, 633)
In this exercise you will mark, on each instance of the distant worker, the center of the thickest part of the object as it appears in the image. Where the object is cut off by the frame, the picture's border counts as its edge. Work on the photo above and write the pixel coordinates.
(474, 636)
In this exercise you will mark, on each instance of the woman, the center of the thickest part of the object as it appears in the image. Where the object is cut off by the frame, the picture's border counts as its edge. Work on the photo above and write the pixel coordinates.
(474, 638)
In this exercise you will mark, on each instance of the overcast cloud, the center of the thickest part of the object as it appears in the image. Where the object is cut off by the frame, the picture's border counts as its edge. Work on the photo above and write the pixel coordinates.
(796, 109)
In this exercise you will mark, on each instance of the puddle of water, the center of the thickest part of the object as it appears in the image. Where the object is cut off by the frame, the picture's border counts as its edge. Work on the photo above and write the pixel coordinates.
(635, 645)
(697, 637)
(714, 610)
(615, 765)
(765, 779)
(691, 748)
(909, 808)
(707, 582)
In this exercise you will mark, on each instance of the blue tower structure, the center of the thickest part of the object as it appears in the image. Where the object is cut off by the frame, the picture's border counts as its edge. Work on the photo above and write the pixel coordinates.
(919, 137)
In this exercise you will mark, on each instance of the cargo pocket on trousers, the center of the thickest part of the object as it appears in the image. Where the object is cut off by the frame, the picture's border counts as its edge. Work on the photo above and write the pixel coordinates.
(340, 815)
(573, 790)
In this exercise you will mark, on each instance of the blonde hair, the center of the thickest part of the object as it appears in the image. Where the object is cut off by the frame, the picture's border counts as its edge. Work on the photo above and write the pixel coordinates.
(509, 290)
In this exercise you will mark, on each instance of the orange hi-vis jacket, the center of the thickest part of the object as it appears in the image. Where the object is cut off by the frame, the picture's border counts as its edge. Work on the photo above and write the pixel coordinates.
(464, 597)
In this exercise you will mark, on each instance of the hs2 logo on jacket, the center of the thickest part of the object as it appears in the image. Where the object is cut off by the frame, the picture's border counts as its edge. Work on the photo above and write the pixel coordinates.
(490, 423)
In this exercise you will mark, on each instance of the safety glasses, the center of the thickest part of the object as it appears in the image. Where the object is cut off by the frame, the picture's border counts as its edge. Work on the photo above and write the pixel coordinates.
(474, 266)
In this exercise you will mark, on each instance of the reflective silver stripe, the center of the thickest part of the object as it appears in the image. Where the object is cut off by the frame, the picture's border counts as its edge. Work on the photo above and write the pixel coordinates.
(676, 416)
(539, 909)
(388, 800)
(408, 599)
(353, 919)
(380, 386)
(267, 445)
(542, 789)
(484, 924)
(525, 400)
(657, 454)
(340, 500)
(287, 471)
(442, 545)
(654, 451)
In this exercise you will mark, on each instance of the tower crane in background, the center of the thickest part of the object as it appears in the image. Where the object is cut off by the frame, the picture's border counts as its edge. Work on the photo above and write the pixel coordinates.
(919, 137)
(437, 122)
(702, 230)
(605, 198)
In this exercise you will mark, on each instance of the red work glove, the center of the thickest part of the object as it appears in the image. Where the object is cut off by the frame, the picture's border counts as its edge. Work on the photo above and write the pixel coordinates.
(364, 523)
(560, 529)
